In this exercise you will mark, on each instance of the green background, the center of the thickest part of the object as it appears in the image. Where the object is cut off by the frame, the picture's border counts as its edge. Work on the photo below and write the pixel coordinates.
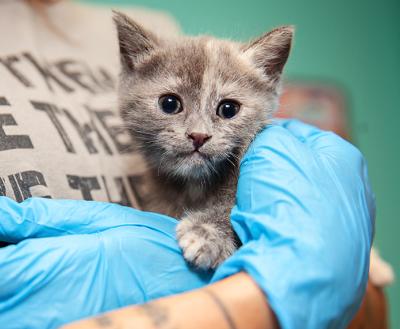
(354, 43)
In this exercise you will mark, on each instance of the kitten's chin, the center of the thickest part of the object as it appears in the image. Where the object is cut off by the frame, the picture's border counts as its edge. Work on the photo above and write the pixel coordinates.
(191, 166)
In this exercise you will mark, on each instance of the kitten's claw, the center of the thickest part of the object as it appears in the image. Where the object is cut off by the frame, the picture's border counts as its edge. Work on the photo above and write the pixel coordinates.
(202, 244)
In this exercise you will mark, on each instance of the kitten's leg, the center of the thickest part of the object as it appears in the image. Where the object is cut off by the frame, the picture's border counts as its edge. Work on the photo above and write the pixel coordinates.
(206, 236)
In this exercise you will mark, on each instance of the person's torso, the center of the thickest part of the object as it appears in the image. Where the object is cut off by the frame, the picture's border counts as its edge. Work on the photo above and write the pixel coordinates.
(60, 131)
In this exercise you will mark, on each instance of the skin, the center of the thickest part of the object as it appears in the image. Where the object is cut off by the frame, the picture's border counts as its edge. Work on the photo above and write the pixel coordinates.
(233, 303)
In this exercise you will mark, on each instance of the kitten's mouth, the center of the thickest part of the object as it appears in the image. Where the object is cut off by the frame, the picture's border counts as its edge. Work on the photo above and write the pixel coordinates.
(196, 154)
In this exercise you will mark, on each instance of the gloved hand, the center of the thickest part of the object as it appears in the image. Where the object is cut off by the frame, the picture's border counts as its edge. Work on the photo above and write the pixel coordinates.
(78, 258)
(305, 213)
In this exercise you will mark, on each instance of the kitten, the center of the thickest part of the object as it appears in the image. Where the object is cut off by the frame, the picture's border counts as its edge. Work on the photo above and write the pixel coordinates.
(193, 105)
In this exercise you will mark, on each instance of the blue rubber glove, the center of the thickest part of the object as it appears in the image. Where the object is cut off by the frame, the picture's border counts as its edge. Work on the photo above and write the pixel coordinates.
(75, 259)
(304, 215)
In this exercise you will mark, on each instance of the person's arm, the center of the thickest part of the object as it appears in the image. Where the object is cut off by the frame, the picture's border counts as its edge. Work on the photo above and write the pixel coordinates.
(233, 303)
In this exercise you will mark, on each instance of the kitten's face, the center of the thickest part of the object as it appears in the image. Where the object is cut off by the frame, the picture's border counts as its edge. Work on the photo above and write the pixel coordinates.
(193, 104)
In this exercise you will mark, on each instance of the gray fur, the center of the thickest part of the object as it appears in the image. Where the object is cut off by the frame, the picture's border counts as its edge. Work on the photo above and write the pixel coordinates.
(198, 188)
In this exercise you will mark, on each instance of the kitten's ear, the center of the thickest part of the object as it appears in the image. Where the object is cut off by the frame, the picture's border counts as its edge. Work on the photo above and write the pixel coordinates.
(134, 40)
(270, 52)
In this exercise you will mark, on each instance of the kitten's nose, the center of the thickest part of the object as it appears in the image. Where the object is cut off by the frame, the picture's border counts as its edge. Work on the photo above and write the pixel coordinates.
(199, 139)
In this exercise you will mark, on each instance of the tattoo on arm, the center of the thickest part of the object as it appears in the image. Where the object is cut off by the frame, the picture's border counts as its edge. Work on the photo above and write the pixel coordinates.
(158, 315)
(223, 309)
(103, 321)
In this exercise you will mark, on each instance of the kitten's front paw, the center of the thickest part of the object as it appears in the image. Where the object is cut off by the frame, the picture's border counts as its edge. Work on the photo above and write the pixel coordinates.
(203, 244)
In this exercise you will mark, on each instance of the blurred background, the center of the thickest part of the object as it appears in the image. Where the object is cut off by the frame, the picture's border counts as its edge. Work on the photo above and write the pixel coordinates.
(343, 74)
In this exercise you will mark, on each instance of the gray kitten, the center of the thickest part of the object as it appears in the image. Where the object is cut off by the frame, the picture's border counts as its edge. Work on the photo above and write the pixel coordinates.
(193, 105)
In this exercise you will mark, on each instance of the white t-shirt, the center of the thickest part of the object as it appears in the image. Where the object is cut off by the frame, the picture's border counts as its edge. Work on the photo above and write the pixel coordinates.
(60, 132)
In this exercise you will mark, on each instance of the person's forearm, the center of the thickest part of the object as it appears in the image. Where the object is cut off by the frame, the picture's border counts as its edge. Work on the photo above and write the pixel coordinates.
(233, 303)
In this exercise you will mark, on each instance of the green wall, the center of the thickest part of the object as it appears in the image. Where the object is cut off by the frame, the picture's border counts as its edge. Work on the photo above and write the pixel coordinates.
(355, 43)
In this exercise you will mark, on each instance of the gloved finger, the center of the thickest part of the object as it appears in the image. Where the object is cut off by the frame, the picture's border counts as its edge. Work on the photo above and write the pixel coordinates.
(277, 148)
(40, 217)
(301, 130)
(331, 148)
(325, 142)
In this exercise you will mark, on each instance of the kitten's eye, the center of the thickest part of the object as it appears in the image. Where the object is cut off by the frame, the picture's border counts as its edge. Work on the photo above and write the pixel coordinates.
(170, 104)
(228, 109)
